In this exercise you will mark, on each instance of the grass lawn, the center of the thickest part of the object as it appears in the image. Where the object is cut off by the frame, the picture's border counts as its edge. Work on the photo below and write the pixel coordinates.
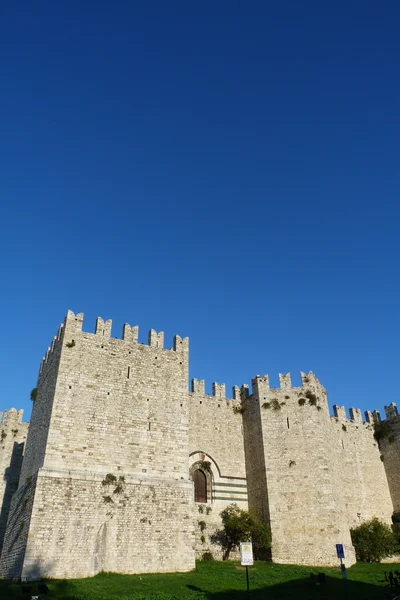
(221, 581)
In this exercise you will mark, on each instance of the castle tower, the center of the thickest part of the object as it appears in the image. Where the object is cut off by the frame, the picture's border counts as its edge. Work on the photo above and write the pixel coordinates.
(292, 478)
(106, 460)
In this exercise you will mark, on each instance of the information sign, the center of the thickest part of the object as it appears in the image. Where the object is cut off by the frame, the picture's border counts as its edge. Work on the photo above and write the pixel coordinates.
(246, 553)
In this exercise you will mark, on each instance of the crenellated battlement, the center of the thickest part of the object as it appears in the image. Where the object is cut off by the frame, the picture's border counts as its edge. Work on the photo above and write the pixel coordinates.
(391, 411)
(11, 417)
(260, 384)
(198, 387)
(355, 415)
(56, 343)
(73, 324)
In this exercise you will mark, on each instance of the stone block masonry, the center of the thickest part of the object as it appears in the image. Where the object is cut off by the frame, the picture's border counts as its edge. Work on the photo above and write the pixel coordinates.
(123, 469)
(13, 433)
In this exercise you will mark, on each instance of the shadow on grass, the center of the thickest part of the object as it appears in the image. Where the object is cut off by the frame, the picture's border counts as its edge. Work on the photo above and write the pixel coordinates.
(296, 589)
(304, 589)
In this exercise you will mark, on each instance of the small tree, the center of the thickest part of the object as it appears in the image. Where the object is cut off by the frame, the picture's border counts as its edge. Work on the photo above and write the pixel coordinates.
(373, 540)
(241, 526)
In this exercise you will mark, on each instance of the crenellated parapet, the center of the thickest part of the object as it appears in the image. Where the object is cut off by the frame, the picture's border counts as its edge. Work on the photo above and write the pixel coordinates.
(73, 324)
(261, 384)
(103, 328)
(130, 334)
(391, 411)
(285, 381)
(11, 417)
(198, 387)
(218, 390)
(55, 345)
(355, 415)
(339, 412)
(156, 339)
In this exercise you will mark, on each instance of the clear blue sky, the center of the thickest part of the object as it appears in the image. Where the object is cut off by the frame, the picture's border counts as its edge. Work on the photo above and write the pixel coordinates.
(227, 171)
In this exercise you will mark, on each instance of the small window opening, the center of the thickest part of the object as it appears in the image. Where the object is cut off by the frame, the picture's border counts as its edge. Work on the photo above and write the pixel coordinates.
(343, 444)
(129, 372)
(287, 421)
(200, 486)
(70, 387)
(149, 426)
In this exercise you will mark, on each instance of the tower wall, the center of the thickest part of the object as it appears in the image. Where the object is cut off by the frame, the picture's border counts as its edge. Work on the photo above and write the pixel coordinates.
(389, 443)
(363, 482)
(216, 438)
(13, 434)
(108, 445)
(306, 514)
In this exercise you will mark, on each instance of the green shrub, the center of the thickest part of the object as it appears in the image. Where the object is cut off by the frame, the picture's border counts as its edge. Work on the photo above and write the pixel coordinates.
(242, 525)
(33, 394)
(207, 556)
(302, 401)
(373, 540)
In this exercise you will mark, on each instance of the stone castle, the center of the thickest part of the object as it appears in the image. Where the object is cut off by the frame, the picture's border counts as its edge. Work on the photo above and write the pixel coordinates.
(122, 469)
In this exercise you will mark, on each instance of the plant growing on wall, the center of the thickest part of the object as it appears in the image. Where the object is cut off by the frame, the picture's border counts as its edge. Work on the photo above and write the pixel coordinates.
(311, 397)
(238, 409)
(202, 525)
(70, 344)
(109, 479)
(108, 500)
(383, 431)
(302, 401)
(33, 394)
(205, 465)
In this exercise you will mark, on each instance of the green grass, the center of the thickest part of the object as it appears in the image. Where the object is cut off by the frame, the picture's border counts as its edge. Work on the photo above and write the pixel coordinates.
(221, 581)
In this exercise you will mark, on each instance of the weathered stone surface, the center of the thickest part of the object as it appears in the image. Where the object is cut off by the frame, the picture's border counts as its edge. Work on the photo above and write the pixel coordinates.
(115, 439)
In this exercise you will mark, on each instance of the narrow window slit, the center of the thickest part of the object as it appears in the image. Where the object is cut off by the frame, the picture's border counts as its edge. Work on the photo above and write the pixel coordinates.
(129, 372)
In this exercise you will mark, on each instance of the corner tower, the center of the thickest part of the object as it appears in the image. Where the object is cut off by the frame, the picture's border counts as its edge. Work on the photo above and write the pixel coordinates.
(105, 461)
(292, 477)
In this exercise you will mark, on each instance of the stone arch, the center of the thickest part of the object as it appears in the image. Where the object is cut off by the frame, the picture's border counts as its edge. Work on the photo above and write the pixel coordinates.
(201, 465)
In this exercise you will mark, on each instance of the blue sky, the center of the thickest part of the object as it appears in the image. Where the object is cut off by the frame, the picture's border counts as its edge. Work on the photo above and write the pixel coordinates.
(227, 171)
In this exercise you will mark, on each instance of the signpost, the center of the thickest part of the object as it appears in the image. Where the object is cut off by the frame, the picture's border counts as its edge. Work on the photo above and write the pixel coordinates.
(246, 559)
(340, 554)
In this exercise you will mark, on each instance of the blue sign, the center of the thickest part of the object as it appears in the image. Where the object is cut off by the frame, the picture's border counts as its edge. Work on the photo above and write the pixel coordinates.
(340, 550)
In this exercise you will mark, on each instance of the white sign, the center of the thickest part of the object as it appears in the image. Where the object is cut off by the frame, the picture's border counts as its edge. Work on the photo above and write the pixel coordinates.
(246, 553)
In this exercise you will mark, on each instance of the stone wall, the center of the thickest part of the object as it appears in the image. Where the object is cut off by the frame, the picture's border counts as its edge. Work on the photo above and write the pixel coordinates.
(13, 434)
(363, 482)
(119, 405)
(390, 451)
(306, 516)
(114, 407)
(216, 438)
(79, 526)
(115, 439)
